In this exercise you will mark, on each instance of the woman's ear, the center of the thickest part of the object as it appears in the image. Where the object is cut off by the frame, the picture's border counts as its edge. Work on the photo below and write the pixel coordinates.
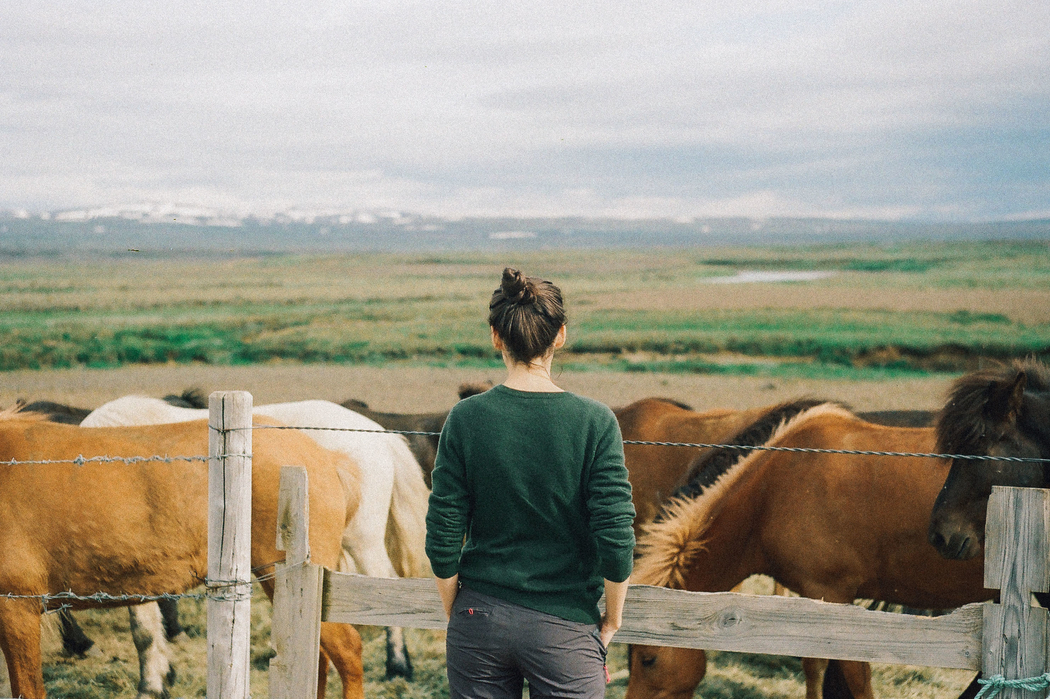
(497, 341)
(559, 339)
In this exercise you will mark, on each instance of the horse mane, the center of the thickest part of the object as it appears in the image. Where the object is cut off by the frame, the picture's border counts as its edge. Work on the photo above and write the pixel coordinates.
(707, 468)
(190, 398)
(355, 405)
(16, 412)
(473, 388)
(675, 403)
(964, 420)
(55, 412)
(669, 544)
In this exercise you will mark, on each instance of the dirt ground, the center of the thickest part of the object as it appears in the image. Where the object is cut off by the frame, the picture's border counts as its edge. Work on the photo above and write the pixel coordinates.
(423, 389)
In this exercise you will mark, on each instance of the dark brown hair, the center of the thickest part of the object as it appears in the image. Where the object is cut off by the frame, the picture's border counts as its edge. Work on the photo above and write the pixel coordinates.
(526, 313)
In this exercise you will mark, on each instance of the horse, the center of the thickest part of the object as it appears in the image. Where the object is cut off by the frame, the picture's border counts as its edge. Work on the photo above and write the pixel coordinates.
(656, 472)
(141, 529)
(424, 446)
(74, 641)
(835, 527)
(391, 518)
(1001, 411)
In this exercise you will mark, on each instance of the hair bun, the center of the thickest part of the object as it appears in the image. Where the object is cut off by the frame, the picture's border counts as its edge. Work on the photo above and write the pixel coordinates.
(515, 287)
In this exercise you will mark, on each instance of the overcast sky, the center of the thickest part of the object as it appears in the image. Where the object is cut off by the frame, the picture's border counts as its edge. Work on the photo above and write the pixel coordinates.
(937, 109)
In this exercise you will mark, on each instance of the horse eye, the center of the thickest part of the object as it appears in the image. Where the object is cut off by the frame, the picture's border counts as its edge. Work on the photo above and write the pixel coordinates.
(648, 661)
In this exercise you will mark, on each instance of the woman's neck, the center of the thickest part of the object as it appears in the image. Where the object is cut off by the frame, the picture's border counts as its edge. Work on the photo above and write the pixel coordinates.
(534, 377)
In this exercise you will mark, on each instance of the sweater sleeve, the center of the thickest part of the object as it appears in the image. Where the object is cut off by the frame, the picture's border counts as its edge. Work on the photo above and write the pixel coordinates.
(609, 504)
(448, 512)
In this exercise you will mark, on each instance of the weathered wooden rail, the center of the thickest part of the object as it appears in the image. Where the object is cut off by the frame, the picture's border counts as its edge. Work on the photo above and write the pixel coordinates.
(1007, 638)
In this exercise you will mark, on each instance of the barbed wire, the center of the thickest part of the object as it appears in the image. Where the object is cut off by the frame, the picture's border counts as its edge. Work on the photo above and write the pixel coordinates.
(214, 590)
(213, 586)
(82, 460)
(702, 445)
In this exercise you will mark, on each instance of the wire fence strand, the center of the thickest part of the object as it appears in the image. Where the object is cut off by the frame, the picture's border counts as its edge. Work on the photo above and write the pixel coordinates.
(702, 445)
(232, 590)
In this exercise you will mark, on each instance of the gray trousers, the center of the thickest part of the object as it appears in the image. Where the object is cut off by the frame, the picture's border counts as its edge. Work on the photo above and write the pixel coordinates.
(492, 646)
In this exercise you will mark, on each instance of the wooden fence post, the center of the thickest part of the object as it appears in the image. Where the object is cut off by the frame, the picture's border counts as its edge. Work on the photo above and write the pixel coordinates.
(1015, 563)
(295, 631)
(229, 543)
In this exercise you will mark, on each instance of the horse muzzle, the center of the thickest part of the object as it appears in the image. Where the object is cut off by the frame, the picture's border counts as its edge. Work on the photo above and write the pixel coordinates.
(954, 543)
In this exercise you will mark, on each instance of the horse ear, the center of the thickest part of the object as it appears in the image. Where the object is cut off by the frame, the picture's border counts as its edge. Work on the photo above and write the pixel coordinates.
(1007, 397)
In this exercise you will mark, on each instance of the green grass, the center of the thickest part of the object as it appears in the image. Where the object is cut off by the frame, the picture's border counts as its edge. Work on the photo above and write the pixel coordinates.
(430, 309)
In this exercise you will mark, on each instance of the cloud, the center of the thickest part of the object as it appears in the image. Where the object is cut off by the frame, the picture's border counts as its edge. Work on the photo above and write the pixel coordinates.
(933, 110)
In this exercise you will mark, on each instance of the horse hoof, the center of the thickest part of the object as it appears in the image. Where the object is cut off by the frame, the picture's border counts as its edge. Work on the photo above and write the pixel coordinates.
(399, 669)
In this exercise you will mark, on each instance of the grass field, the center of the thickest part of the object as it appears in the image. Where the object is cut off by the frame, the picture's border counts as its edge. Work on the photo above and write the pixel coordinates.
(901, 309)
(887, 327)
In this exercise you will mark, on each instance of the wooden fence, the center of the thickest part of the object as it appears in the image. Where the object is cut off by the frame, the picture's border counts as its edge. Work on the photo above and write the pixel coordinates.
(1007, 638)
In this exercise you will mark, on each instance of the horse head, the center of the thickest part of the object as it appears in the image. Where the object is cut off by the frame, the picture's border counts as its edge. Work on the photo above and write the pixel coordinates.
(1003, 412)
(664, 673)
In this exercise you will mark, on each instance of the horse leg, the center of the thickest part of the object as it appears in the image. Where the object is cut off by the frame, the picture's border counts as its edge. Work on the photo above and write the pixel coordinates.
(147, 631)
(814, 670)
(20, 644)
(858, 678)
(364, 539)
(972, 689)
(169, 612)
(341, 644)
(74, 641)
(835, 685)
(398, 662)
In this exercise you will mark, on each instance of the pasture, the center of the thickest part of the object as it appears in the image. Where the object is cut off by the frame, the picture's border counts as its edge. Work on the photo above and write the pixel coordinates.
(863, 311)
(888, 328)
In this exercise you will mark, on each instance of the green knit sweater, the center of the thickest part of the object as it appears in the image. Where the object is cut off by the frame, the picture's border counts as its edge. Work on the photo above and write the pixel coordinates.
(531, 502)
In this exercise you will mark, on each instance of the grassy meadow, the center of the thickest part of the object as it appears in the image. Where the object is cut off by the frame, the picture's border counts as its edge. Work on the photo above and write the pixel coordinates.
(881, 310)
(882, 326)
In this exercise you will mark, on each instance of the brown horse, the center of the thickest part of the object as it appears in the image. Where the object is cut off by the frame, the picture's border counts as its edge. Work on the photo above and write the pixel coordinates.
(141, 529)
(656, 472)
(830, 526)
(1003, 411)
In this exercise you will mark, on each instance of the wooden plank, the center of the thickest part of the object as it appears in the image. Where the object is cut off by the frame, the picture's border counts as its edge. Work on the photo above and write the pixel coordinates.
(713, 621)
(1016, 545)
(293, 515)
(1018, 523)
(229, 543)
(295, 630)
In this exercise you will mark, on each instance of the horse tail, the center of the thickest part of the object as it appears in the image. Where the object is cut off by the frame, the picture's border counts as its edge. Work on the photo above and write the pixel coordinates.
(406, 527)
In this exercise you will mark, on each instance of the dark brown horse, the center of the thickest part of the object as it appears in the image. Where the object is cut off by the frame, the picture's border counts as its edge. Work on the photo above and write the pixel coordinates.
(1003, 411)
(829, 526)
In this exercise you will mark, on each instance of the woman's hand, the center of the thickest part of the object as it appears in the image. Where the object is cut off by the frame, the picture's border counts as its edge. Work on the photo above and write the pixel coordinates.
(615, 595)
(607, 631)
(448, 588)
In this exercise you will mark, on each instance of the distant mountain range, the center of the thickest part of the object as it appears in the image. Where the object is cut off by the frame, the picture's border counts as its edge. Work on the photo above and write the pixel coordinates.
(187, 230)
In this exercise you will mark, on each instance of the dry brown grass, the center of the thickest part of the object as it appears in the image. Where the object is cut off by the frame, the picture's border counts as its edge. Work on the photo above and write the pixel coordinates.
(1031, 307)
(420, 389)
